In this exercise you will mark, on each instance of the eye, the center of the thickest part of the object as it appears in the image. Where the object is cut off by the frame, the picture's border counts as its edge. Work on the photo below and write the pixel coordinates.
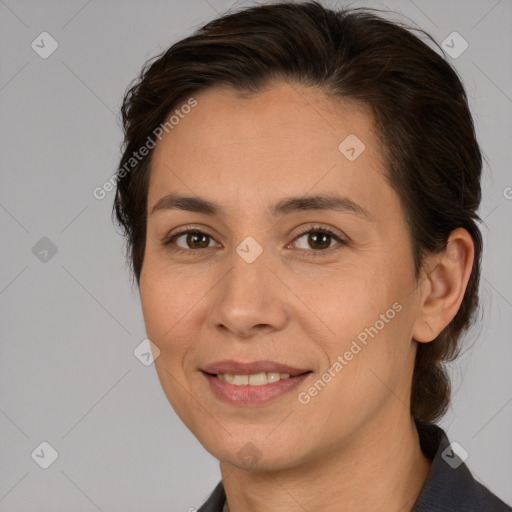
(319, 239)
(193, 239)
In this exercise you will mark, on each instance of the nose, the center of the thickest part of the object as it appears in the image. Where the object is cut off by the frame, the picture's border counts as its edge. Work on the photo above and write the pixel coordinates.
(250, 300)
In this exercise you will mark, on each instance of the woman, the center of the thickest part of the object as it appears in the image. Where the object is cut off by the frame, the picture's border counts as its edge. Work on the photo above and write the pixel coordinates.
(298, 190)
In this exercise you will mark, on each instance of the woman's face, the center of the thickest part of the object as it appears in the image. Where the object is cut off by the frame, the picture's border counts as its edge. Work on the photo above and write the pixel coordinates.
(263, 284)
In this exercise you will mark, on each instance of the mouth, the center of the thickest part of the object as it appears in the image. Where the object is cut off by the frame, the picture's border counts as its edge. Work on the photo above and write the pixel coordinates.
(240, 368)
(254, 379)
(251, 384)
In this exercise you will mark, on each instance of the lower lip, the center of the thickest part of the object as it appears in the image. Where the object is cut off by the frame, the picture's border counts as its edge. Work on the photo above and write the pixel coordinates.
(252, 395)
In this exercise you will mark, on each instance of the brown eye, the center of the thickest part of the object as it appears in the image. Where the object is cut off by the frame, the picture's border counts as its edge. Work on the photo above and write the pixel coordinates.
(198, 238)
(193, 240)
(319, 239)
(318, 242)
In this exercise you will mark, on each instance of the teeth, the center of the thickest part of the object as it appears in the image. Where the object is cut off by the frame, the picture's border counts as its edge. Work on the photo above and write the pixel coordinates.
(257, 379)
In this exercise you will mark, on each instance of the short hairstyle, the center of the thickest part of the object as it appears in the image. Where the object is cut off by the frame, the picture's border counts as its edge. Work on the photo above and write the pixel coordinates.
(419, 107)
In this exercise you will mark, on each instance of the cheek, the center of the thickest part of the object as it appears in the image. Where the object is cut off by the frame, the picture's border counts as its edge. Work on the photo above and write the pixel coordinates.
(167, 316)
(174, 310)
(350, 297)
(366, 370)
(161, 319)
(166, 298)
(367, 322)
(154, 308)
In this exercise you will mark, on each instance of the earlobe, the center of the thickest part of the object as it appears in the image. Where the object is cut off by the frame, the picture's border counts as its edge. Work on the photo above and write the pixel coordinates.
(444, 282)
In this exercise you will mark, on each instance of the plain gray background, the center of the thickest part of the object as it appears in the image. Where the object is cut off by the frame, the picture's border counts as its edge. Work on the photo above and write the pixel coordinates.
(70, 324)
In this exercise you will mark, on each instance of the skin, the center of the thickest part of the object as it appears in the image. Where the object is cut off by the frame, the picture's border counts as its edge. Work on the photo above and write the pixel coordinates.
(354, 446)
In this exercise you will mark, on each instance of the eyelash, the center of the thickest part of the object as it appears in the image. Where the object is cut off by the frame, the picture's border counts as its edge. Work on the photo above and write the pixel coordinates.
(166, 242)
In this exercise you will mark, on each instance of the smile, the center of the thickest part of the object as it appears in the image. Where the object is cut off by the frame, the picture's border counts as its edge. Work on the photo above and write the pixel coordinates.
(256, 379)
(254, 389)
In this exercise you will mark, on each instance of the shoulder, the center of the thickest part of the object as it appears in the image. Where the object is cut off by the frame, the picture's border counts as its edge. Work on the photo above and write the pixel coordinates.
(450, 486)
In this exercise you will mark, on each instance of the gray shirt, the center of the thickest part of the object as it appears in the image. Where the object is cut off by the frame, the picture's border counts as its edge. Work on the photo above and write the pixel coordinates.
(449, 487)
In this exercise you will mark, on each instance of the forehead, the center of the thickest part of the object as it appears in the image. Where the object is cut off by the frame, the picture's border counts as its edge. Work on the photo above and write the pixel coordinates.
(285, 138)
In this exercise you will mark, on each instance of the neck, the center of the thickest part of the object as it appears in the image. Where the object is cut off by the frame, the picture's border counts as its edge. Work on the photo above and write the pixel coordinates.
(381, 468)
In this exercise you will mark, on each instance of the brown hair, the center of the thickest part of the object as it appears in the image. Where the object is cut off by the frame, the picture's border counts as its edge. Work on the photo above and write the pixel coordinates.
(433, 160)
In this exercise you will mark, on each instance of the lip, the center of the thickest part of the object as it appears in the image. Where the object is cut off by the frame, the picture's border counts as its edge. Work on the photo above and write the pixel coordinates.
(247, 368)
(248, 396)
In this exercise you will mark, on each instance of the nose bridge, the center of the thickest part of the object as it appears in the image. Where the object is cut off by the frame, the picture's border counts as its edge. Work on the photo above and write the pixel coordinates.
(249, 294)
(250, 264)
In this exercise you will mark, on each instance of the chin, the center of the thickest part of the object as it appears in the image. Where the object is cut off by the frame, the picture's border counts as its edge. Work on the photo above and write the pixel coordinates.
(254, 455)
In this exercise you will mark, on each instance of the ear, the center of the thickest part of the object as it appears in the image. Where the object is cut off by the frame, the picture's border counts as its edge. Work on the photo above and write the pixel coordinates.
(443, 283)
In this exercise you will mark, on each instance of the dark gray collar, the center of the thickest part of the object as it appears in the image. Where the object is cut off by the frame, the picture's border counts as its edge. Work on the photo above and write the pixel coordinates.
(449, 487)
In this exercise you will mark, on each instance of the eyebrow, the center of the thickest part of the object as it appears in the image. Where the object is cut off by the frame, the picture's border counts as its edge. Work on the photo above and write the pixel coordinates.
(284, 206)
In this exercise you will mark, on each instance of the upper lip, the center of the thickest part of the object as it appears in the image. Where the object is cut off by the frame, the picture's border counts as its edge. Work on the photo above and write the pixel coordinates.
(248, 368)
